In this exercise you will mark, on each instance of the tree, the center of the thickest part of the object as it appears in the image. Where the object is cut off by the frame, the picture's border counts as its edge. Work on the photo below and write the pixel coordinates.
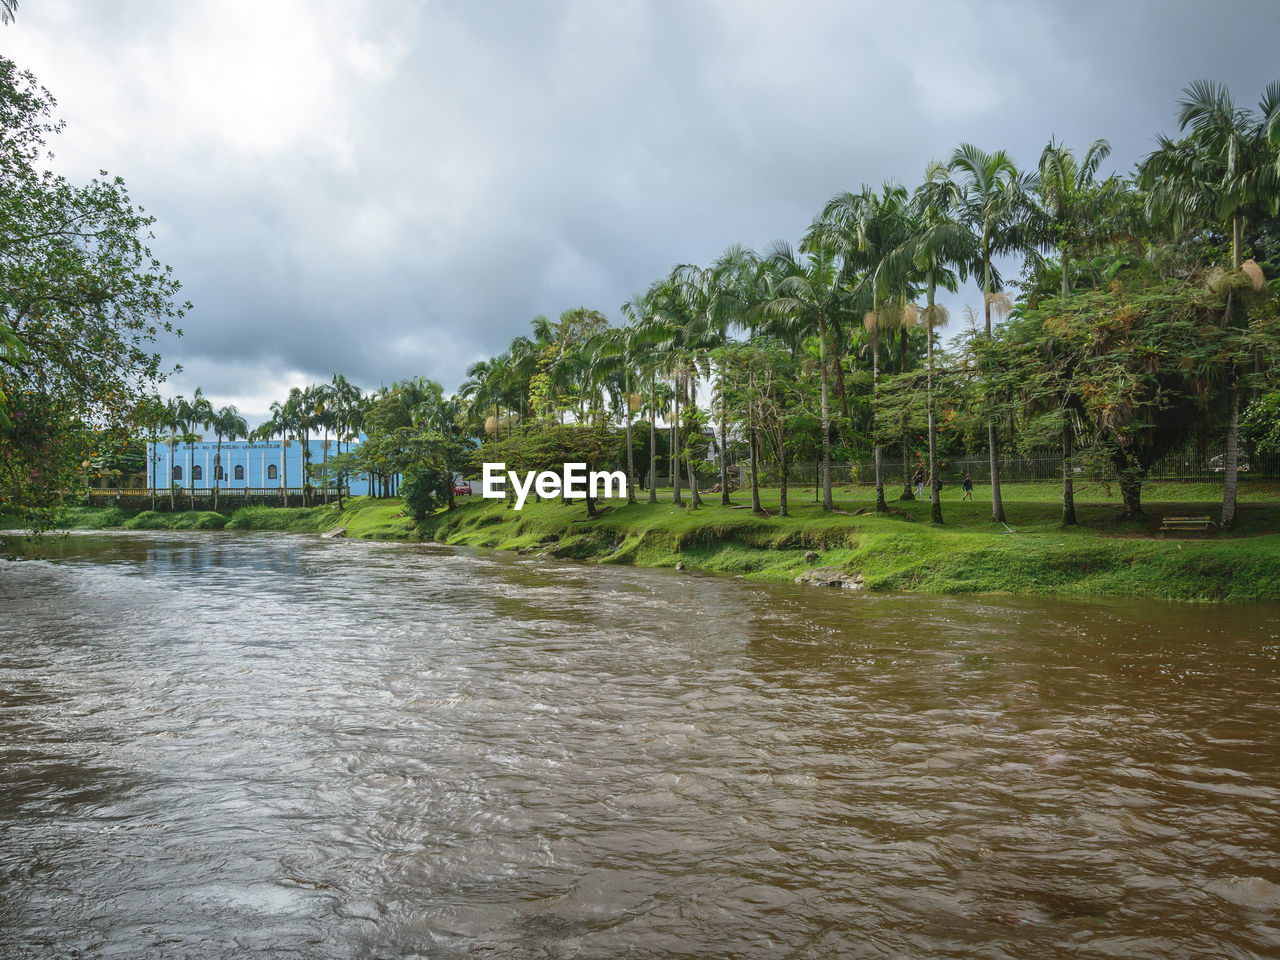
(868, 228)
(197, 412)
(1072, 201)
(228, 423)
(993, 203)
(82, 301)
(941, 250)
(1223, 172)
(808, 292)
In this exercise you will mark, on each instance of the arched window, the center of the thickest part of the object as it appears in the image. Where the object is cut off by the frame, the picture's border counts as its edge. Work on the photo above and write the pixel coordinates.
(239, 471)
(271, 471)
(177, 473)
(218, 473)
(197, 473)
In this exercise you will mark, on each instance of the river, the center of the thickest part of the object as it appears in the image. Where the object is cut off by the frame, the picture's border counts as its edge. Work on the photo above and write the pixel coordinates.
(261, 745)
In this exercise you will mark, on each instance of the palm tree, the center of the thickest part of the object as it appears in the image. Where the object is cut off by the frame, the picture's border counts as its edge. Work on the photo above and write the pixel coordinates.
(669, 323)
(1223, 172)
(228, 423)
(868, 227)
(628, 349)
(1071, 198)
(994, 205)
(940, 249)
(344, 401)
(719, 297)
(198, 412)
(173, 412)
(808, 291)
(1071, 214)
(281, 422)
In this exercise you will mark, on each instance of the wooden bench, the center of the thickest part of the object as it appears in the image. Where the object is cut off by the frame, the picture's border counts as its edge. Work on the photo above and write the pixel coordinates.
(1172, 524)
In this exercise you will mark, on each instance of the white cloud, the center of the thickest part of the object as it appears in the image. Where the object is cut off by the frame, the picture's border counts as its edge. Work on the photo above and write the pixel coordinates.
(394, 189)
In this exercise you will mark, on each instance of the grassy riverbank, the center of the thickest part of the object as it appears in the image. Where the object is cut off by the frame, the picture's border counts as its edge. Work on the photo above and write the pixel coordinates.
(1034, 554)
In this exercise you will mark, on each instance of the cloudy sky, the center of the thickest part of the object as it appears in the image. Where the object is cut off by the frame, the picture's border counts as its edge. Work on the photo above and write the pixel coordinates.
(392, 189)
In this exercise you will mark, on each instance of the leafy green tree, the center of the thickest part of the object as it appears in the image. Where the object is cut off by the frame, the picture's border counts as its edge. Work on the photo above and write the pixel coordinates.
(82, 301)
(995, 205)
(808, 293)
(550, 445)
(228, 423)
(1224, 171)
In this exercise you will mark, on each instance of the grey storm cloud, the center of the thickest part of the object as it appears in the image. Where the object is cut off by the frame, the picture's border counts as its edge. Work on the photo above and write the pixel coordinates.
(388, 190)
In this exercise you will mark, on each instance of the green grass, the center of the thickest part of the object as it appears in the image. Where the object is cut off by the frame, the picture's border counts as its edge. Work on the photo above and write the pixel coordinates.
(187, 520)
(1032, 554)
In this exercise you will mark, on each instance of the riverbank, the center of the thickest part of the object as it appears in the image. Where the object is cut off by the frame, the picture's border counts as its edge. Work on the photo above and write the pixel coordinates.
(1101, 557)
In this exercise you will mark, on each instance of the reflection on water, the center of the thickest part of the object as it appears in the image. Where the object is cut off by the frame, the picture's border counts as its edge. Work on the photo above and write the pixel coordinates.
(223, 745)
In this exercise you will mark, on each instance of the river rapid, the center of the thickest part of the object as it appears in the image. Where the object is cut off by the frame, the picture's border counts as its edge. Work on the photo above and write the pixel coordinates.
(262, 745)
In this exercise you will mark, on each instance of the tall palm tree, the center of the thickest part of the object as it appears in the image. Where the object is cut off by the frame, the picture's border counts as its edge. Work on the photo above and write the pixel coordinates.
(940, 250)
(994, 205)
(669, 324)
(174, 409)
(719, 297)
(627, 349)
(226, 422)
(198, 412)
(1224, 171)
(808, 291)
(1070, 199)
(282, 421)
(867, 228)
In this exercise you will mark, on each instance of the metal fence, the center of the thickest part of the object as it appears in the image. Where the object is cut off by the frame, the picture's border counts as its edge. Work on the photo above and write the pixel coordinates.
(139, 498)
(1047, 467)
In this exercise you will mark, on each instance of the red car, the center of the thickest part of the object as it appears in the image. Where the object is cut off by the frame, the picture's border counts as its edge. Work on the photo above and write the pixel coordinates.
(462, 488)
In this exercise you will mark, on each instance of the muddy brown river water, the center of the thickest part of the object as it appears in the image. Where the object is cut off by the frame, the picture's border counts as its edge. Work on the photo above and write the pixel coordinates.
(275, 746)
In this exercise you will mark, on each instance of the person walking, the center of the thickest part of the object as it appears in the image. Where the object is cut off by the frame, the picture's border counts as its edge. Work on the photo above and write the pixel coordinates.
(918, 480)
(968, 488)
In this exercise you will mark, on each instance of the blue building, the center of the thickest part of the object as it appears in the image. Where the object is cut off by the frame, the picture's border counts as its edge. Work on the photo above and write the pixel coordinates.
(265, 465)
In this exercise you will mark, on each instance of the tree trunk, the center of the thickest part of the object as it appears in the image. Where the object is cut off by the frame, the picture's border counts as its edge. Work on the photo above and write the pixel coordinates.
(695, 498)
(997, 505)
(881, 506)
(1068, 490)
(695, 501)
(1237, 230)
(675, 444)
(828, 503)
(993, 447)
(284, 467)
(755, 469)
(935, 481)
(631, 454)
(1131, 494)
(724, 449)
(653, 444)
(907, 492)
(1230, 466)
(782, 480)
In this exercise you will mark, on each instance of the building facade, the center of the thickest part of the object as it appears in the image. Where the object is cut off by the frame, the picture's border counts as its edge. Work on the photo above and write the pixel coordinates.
(242, 464)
